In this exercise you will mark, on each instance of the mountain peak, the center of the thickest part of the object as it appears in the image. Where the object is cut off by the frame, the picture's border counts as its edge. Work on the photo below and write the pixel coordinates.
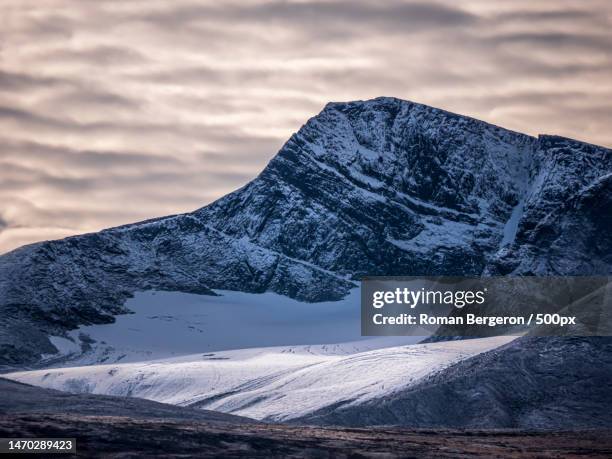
(377, 101)
(396, 105)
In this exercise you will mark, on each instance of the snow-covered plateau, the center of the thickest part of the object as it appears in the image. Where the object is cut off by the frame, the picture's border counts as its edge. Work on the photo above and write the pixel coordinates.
(274, 384)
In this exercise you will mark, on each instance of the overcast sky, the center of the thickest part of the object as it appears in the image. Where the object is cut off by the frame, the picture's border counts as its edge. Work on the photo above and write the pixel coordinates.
(117, 111)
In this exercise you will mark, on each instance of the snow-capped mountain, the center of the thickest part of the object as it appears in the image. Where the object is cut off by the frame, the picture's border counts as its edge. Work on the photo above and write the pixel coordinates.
(377, 187)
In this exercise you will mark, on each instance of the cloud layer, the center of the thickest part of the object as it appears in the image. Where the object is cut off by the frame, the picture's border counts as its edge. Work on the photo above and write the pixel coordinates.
(119, 110)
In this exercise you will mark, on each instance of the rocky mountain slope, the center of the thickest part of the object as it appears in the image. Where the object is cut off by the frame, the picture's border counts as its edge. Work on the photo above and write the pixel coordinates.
(377, 187)
(565, 223)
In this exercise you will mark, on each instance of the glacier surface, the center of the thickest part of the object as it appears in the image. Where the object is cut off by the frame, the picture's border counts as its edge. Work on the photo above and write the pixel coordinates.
(273, 384)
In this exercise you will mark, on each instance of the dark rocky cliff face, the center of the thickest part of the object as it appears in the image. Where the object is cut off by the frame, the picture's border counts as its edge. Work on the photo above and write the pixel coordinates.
(566, 224)
(377, 187)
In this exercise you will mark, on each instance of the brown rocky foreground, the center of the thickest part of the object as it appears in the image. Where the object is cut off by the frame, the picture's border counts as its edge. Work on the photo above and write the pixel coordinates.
(127, 437)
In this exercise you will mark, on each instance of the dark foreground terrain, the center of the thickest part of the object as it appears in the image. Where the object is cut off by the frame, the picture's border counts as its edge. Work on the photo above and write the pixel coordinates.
(19, 398)
(123, 437)
(120, 427)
